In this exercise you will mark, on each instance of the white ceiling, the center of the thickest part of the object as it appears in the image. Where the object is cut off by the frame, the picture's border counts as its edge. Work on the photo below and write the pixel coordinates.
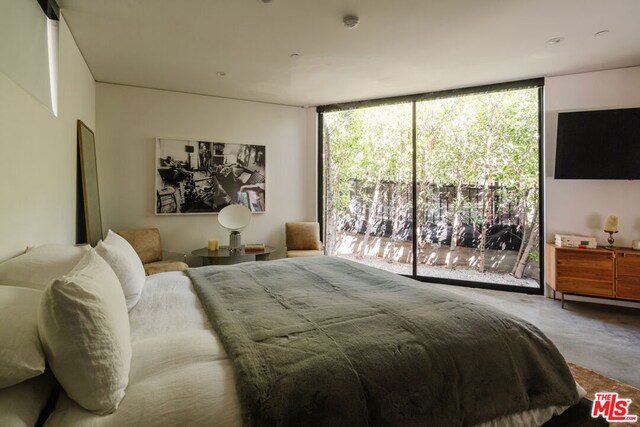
(400, 47)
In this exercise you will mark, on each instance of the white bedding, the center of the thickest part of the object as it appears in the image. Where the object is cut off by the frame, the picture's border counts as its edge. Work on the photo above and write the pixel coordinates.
(180, 373)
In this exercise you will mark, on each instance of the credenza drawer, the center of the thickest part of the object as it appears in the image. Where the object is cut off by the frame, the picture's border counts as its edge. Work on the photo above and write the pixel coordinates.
(584, 265)
(628, 288)
(572, 285)
(629, 264)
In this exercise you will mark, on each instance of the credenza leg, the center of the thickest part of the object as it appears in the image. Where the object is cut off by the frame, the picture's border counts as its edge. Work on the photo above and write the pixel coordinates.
(562, 299)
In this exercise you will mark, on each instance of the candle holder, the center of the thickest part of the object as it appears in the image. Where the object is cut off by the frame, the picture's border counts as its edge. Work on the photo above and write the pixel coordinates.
(611, 239)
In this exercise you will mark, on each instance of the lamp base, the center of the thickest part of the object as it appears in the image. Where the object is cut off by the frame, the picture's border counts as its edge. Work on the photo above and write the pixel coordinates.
(610, 239)
(235, 241)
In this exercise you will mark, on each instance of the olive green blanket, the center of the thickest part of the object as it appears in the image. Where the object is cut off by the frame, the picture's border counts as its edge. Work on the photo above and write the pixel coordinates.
(324, 341)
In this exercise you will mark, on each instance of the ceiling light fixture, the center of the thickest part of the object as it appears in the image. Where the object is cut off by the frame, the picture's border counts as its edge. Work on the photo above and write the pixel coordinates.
(555, 40)
(601, 33)
(294, 56)
(221, 74)
(350, 21)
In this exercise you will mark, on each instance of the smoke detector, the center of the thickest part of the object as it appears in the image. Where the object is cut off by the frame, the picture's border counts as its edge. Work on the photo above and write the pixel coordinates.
(350, 21)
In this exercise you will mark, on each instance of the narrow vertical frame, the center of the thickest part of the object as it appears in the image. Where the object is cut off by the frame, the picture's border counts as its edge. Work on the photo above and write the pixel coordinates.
(90, 189)
(320, 181)
(414, 190)
(541, 180)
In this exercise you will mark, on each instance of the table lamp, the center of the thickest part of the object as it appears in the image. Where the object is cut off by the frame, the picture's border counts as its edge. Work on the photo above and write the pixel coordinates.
(611, 227)
(234, 218)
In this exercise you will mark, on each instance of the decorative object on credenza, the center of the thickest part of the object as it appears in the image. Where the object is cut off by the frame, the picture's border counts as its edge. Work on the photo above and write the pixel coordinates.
(610, 239)
(208, 176)
(234, 218)
(611, 227)
(92, 230)
(570, 241)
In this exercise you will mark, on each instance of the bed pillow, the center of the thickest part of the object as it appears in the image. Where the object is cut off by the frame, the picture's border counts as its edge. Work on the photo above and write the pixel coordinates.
(22, 404)
(125, 262)
(84, 328)
(21, 355)
(37, 267)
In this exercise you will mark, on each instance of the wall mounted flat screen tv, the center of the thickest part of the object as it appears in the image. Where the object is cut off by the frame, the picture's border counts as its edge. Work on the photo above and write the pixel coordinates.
(603, 144)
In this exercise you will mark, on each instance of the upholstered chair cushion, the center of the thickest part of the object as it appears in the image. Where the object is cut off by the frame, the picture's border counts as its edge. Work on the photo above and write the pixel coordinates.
(303, 236)
(298, 254)
(146, 243)
(164, 266)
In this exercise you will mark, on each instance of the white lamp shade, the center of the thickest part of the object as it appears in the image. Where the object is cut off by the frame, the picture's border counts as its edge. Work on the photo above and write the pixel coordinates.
(234, 217)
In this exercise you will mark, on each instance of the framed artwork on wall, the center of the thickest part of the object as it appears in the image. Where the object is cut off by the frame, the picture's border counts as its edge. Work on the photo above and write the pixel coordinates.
(195, 177)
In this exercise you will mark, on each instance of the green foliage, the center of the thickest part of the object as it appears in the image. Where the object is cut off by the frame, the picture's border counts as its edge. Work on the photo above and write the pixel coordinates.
(460, 140)
(369, 145)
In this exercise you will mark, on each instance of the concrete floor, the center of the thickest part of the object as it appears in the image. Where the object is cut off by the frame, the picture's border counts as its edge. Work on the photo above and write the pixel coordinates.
(599, 337)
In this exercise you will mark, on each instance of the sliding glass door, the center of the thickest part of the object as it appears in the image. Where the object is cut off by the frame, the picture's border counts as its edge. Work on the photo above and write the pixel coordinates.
(478, 174)
(368, 154)
(442, 187)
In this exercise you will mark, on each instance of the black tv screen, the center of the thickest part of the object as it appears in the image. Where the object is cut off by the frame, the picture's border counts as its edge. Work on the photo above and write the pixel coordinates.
(603, 144)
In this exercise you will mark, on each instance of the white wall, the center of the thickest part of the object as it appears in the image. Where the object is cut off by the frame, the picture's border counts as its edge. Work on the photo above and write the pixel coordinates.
(582, 206)
(38, 185)
(128, 121)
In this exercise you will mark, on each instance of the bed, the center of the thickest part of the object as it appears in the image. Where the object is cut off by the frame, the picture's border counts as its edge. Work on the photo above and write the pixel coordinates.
(197, 353)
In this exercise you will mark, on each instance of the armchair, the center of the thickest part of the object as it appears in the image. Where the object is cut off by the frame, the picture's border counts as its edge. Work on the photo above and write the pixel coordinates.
(146, 243)
(303, 239)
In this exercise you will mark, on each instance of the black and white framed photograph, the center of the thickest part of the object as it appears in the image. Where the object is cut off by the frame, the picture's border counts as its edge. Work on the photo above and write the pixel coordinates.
(194, 177)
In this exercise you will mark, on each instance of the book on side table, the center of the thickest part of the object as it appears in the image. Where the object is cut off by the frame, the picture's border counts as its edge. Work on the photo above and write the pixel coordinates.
(254, 247)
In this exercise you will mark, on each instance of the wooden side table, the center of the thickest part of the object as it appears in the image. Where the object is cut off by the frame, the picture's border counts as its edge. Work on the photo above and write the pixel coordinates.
(223, 257)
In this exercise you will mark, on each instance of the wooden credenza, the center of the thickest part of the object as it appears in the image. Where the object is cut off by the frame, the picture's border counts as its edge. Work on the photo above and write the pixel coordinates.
(602, 272)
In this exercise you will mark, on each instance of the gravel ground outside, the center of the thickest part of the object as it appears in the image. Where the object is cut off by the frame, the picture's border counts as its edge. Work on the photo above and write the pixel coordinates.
(458, 273)
(397, 257)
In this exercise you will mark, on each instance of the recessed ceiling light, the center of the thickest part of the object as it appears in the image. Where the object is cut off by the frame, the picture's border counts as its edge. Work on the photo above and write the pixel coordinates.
(555, 40)
(350, 21)
(221, 74)
(601, 33)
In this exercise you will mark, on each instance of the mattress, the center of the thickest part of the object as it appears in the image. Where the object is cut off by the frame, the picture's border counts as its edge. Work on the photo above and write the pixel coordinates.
(180, 373)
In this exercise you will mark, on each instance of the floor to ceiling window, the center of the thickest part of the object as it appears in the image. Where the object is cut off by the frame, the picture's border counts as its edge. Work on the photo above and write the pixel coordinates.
(368, 171)
(442, 186)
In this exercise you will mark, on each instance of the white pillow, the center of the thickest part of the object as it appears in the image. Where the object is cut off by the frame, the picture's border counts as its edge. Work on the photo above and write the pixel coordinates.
(84, 328)
(21, 355)
(126, 263)
(21, 404)
(39, 266)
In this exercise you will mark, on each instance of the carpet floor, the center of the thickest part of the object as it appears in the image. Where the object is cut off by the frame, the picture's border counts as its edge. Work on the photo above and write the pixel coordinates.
(594, 382)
